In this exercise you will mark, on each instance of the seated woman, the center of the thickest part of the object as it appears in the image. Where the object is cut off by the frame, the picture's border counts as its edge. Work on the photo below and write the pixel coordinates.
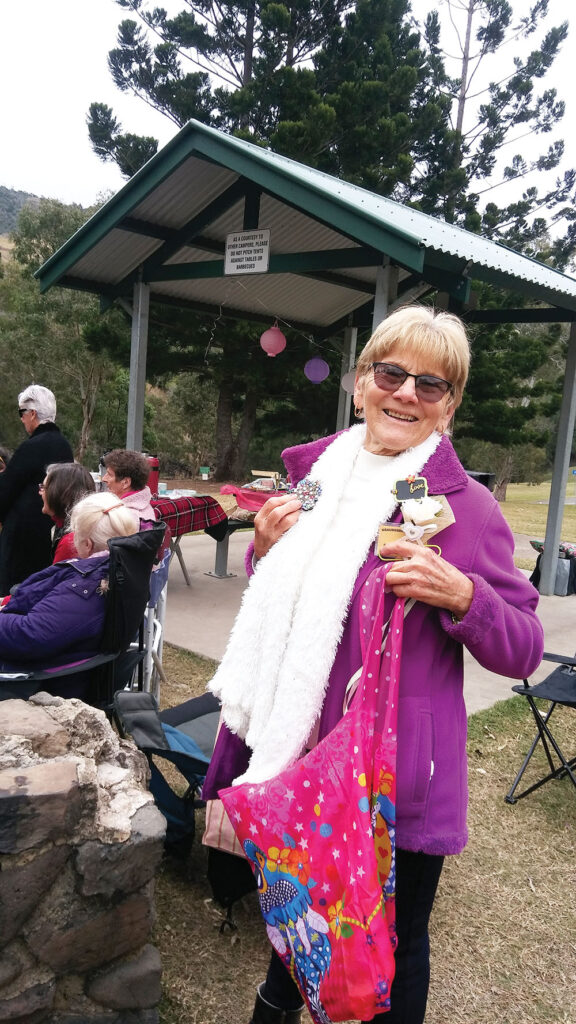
(63, 486)
(126, 476)
(57, 615)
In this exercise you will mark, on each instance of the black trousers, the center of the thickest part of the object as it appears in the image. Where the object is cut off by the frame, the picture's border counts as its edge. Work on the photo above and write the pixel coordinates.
(417, 877)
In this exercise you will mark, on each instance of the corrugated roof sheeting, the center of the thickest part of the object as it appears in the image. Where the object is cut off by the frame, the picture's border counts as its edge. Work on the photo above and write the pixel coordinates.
(535, 290)
(430, 231)
(117, 255)
(190, 254)
(200, 164)
(271, 296)
(478, 251)
(290, 230)
(187, 191)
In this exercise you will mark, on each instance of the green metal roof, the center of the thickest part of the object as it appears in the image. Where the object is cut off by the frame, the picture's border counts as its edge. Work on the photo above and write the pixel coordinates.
(328, 239)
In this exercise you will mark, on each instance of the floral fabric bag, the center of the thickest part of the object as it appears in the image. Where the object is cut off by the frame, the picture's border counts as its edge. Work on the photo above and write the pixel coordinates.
(320, 838)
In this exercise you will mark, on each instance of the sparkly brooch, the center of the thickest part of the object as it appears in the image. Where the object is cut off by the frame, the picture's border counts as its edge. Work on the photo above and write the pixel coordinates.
(308, 491)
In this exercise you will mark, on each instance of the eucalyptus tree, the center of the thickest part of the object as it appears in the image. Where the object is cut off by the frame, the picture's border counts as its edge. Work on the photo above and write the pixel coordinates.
(500, 56)
(46, 338)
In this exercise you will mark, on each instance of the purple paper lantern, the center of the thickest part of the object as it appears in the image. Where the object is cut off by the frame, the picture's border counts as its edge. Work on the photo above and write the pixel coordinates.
(273, 341)
(316, 369)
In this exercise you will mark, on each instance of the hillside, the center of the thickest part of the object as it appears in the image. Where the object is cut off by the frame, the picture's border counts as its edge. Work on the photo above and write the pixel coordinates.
(11, 202)
(5, 246)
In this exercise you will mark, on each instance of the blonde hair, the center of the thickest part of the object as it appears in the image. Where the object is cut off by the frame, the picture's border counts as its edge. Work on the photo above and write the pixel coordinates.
(422, 331)
(98, 517)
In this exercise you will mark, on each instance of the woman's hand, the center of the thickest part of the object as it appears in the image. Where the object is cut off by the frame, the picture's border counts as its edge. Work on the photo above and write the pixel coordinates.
(274, 519)
(423, 574)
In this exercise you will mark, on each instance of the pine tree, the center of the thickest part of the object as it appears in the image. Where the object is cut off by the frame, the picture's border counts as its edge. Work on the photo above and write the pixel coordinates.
(345, 87)
(342, 86)
(357, 90)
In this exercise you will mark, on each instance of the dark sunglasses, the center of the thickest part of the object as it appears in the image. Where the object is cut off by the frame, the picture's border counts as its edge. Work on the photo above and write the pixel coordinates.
(389, 377)
(22, 411)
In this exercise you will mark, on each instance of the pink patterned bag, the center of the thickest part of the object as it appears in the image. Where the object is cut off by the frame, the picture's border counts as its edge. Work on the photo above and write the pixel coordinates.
(320, 838)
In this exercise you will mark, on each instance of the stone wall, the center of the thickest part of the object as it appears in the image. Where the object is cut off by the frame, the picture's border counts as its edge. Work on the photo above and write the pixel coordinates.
(80, 841)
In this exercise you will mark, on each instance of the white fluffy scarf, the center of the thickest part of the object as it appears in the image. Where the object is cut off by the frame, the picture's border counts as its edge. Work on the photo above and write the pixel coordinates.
(273, 676)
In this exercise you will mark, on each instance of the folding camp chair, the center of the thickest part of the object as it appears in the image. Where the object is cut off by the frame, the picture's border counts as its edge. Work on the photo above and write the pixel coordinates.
(154, 627)
(559, 688)
(131, 561)
(184, 736)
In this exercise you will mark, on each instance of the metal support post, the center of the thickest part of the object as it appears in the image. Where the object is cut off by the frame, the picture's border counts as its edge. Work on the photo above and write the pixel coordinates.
(386, 291)
(138, 350)
(560, 471)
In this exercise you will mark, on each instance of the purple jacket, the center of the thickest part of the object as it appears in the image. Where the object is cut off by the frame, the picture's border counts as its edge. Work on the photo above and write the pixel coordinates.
(56, 616)
(501, 630)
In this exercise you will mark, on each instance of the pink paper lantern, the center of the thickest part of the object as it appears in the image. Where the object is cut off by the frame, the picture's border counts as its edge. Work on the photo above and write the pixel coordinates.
(348, 382)
(316, 369)
(273, 341)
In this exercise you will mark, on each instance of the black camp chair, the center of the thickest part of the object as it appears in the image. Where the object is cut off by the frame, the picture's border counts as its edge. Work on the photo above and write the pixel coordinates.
(559, 688)
(131, 562)
(184, 736)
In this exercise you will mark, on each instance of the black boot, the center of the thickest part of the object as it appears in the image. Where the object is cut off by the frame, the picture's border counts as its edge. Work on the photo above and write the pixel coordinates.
(265, 1013)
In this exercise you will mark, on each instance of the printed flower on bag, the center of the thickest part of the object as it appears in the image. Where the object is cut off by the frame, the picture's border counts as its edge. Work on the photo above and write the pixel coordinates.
(273, 862)
(335, 919)
(340, 925)
(292, 861)
(298, 864)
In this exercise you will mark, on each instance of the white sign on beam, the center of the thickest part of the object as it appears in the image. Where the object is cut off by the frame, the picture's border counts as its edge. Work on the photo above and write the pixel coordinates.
(247, 252)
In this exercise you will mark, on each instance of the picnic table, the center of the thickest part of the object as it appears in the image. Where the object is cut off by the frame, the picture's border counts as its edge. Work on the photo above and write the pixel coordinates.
(189, 514)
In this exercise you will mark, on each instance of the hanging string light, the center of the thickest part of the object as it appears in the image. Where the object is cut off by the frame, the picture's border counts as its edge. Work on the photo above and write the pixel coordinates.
(316, 369)
(273, 341)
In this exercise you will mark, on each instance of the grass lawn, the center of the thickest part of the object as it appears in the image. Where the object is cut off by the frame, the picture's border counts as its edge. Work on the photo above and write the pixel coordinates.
(504, 922)
(526, 510)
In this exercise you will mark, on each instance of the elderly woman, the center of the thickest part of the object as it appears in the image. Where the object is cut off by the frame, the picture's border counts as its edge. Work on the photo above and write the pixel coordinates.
(126, 476)
(315, 572)
(25, 544)
(57, 615)
(63, 486)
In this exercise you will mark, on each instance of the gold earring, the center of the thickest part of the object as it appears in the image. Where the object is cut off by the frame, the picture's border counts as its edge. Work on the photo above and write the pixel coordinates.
(358, 412)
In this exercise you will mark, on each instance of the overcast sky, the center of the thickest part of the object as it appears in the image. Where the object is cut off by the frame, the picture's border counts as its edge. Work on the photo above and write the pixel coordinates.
(54, 65)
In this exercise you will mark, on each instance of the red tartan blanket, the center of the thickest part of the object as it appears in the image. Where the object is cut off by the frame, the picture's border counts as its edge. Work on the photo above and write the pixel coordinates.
(186, 515)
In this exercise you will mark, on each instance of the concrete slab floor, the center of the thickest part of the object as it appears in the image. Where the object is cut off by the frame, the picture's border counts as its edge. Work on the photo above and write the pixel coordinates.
(200, 617)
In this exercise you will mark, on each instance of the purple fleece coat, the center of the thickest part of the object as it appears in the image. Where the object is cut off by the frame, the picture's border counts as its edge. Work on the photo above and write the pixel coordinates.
(56, 616)
(501, 630)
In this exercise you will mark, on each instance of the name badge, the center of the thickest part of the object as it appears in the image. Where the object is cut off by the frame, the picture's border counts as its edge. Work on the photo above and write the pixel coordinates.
(388, 532)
